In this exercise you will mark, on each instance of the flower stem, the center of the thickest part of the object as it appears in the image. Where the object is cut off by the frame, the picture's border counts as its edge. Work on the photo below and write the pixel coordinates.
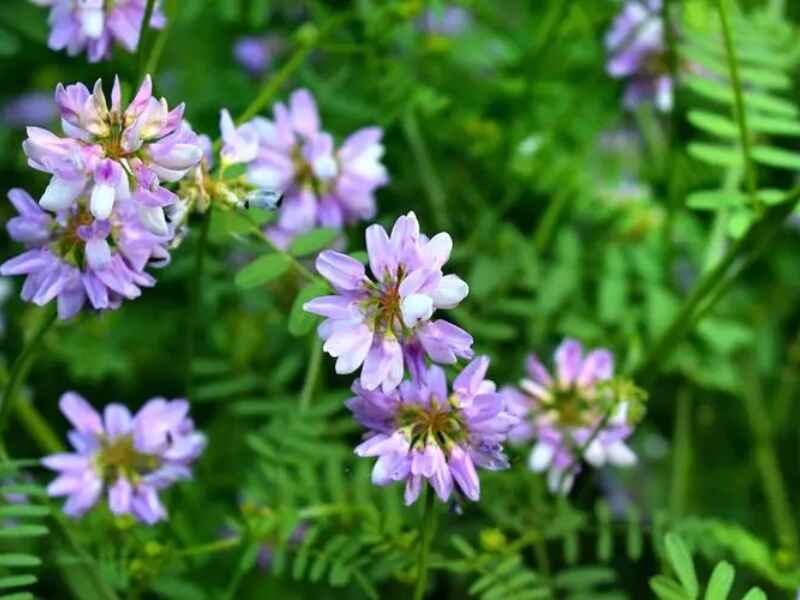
(195, 297)
(20, 369)
(312, 374)
(739, 112)
(148, 14)
(151, 66)
(426, 527)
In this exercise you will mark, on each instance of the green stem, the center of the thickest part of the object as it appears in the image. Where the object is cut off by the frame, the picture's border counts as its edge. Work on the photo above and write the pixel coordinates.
(148, 14)
(426, 527)
(546, 227)
(196, 292)
(739, 110)
(171, 10)
(681, 455)
(709, 288)
(19, 371)
(778, 503)
(312, 374)
(211, 547)
(430, 179)
(38, 427)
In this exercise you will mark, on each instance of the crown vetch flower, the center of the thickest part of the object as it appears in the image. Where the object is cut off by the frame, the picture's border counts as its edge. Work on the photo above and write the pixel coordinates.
(322, 185)
(94, 25)
(565, 411)
(131, 457)
(386, 324)
(110, 154)
(637, 51)
(420, 431)
(72, 256)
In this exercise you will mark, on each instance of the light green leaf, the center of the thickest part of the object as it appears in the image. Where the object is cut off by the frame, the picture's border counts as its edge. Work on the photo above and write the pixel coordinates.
(775, 157)
(263, 270)
(719, 586)
(300, 321)
(720, 156)
(313, 241)
(714, 124)
(681, 560)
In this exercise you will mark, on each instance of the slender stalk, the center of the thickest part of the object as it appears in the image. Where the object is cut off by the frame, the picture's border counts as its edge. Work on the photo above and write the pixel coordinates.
(772, 482)
(148, 14)
(739, 110)
(709, 288)
(426, 526)
(157, 49)
(546, 227)
(196, 292)
(312, 374)
(211, 547)
(20, 369)
(681, 456)
(430, 179)
(38, 428)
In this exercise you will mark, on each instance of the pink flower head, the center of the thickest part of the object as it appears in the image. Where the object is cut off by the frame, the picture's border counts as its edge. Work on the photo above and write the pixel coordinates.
(109, 154)
(94, 25)
(74, 257)
(322, 185)
(386, 324)
(130, 457)
(637, 51)
(421, 432)
(565, 410)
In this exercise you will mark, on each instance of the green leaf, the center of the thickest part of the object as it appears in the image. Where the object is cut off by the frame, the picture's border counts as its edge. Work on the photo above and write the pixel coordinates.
(681, 560)
(775, 157)
(300, 321)
(263, 270)
(719, 586)
(755, 594)
(16, 581)
(19, 560)
(24, 510)
(667, 589)
(716, 199)
(21, 531)
(313, 241)
(773, 125)
(720, 156)
(714, 124)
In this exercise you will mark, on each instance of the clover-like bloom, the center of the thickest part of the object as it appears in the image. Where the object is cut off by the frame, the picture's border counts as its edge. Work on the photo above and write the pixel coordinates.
(420, 431)
(131, 457)
(110, 154)
(256, 54)
(94, 25)
(322, 185)
(637, 51)
(72, 256)
(386, 323)
(566, 411)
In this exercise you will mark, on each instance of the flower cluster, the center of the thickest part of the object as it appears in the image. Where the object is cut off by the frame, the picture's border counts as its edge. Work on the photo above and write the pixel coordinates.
(638, 52)
(131, 457)
(385, 324)
(322, 185)
(101, 220)
(421, 432)
(94, 25)
(575, 410)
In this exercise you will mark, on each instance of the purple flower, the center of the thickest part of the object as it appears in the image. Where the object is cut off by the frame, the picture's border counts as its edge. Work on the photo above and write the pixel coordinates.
(322, 185)
(637, 51)
(449, 20)
(129, 457)
(565, 411)
(255, 54)
(421, 432)
(94, 25)
(386, 324)
(72, 256)
(31, 108)
(110, 154)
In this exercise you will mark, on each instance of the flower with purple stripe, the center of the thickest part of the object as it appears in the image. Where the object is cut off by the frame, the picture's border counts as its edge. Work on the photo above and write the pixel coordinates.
(637, 52)
(323, 186)
(386, 324)
(73, 257)
(109, 154)
(129, 457)
(570, 411)
(420, 431)
(95, 25)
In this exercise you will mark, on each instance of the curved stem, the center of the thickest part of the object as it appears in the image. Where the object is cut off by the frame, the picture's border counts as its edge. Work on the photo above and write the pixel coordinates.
(171, 10)
(195, 297)
(20, 369)
(148, 14)
(426, 527)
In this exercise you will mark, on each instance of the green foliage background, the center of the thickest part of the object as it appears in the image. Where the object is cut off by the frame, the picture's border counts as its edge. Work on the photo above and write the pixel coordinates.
(570, 216)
